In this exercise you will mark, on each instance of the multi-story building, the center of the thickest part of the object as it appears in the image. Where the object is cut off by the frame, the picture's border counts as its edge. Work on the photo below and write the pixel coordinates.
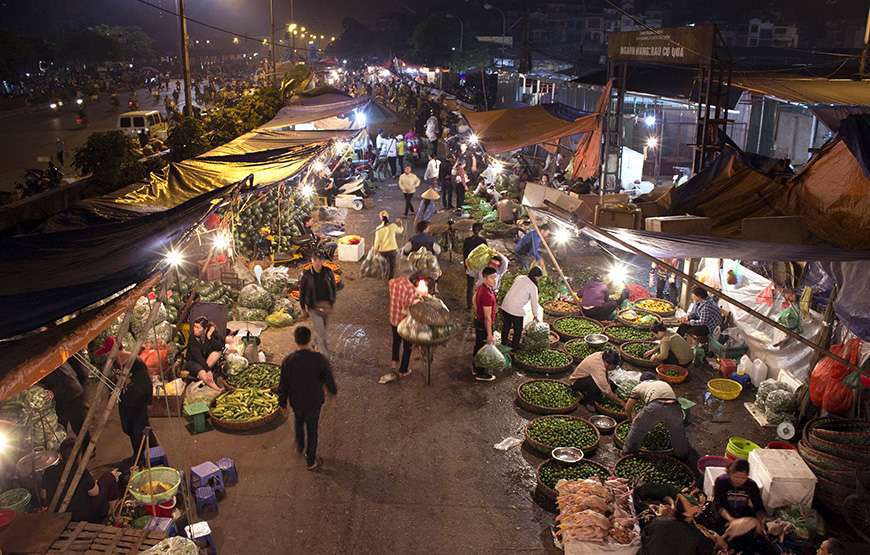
(762, 32)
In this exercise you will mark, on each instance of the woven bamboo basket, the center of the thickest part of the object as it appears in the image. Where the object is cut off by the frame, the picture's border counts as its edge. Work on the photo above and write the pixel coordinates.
(537, 409)
(551, 493)
(546, 450)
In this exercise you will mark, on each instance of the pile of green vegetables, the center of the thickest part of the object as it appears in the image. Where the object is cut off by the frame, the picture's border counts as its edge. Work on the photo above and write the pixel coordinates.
(654, 470)
(543, 358)
(657, 439)
(609, 405)
(495, 227)
(638, 350)
(548, 394)
(245, 404)
(552, 471)
(548, 290)
(259, 375)
(561, 431)
(579, 349)
(626, 333)
(577, 327)
(268, 223)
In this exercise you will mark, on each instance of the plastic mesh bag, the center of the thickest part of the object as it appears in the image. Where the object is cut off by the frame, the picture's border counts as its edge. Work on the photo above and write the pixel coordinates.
(141, 312)
(780, 400)
(236, 363)
(375, 265)
(275, 280)
(174, 546)
(254, 296)
(279, 319)
(479, 257)
(764, 390)
(536, 336)
(246, 314)
(425, 262)
(490, 357)
(411, 330)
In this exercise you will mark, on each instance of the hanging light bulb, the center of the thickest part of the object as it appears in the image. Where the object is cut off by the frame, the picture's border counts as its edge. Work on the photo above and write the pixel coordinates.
(174, 258)
(221, 241)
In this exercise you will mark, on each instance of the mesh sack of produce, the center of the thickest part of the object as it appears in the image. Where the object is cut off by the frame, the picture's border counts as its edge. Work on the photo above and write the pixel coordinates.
(275, 280)
(411, 330)
(161, 332)
(425, 262)
(765, 389)
(780, 400)
(141, 312)
(431, 311)
(479, 257)
(254, 296)
(174, 546)
(287, 305)
(827, 389)
(235, 363)
(246, 314)
(775, 418)
(279, 319)
(490, 357)
(375, 265)
(536, 336)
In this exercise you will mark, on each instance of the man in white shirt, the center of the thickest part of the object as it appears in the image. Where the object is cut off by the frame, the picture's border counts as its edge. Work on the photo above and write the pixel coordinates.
(523, 291)
(432, 133)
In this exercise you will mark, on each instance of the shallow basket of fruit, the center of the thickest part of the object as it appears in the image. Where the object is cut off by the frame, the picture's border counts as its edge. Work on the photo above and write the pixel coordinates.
(561, 308)
(244, 409)
(634, 352)
(637, 318)
(618, 333)
(580, 349)
(611, 409)
(659, 307)
(655, 469)
(551, 471)
(260, 375)
(576, 327)
(542, 396)
(656, 441)
(543, 361)
(545, 433)
(672, 373)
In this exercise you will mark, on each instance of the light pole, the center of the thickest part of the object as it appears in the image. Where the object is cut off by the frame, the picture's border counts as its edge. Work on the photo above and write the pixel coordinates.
(291, 30)
(461, 28)
(503, 26)
(185, 60)
(272, 49)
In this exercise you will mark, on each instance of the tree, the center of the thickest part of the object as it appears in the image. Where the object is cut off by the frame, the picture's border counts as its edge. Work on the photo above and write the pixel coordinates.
(90, 45)
(134, 43)
(110, 156)
(187, 139)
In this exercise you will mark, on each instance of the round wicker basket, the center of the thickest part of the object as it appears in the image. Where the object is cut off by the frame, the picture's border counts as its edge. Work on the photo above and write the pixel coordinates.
(636, 361)
(547, 449)
(566, 336)
(537, 409)
(540, 369)
(665, 314)
(654, 456)
(551, 493)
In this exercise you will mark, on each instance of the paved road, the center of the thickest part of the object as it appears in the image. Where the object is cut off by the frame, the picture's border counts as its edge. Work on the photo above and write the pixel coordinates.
(28, 135)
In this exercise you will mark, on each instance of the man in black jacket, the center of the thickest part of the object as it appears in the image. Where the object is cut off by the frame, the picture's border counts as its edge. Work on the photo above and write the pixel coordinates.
(135, 397)
(317, 297)
(304, 373)
(69, 396)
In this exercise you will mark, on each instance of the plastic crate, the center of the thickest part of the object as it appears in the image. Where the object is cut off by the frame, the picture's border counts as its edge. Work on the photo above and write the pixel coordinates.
(722, 351)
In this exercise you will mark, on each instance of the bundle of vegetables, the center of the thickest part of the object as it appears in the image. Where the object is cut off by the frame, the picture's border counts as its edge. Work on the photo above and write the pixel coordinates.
(543, 359)
(259, 375)
(142, 311)
(579, 349)
(548, 394)
(413, 331)
(563, 431)
(279, 319)
(375, 265)
(236, 364)
(654, 470)
(627, 333)
(577, 327)
(491, 357)
(496, 227)
(536, 336)
(265, 226)
(780, 406)
(209, 292)
(32, 411)
(638, 350)
(254, 303)
(765, 388)
(245, 404)
(425, 262)
(657, 439)
(552, 471)
(276, 280)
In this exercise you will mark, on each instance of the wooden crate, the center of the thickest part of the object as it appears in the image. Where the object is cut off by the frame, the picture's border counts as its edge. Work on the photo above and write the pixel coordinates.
(612, 216)
(97, 539)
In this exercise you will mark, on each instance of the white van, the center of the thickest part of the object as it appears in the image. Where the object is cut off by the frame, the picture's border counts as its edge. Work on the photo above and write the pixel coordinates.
(151, 121)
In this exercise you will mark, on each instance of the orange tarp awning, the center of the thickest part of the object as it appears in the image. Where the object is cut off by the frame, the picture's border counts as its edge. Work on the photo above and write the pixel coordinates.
(513, 128)
(808, 90)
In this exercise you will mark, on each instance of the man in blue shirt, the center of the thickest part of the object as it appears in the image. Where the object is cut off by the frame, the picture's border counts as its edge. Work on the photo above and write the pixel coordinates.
(528, 248)
(704, 316)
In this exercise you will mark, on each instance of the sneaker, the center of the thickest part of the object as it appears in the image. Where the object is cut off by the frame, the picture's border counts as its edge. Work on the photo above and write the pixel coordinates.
(405, 374)
(317, 463)
(484, 376)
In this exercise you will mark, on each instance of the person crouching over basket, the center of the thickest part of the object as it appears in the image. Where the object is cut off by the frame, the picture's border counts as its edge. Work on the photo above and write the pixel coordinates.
(204, 353)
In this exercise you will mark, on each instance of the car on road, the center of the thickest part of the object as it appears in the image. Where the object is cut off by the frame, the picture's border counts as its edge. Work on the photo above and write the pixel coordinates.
(151, 121)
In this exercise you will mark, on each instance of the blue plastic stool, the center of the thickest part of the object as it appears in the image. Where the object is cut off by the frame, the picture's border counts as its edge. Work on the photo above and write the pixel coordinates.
(206, 498)
(228, 469)
(157, 456)
(207, 474)
(200, 533)
(162, 524)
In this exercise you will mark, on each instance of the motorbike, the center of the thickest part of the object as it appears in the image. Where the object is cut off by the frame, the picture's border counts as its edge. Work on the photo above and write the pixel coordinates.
(36, 180)
(55, 105)
(82, 120)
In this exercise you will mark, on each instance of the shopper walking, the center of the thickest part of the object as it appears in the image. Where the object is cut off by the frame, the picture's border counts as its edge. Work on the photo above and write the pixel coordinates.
(392, 156)
(427, 205)
(304, 374)
(485, 307)
(460, 182)
(402, 296)
(408, 184)
(523, 291)
(433, 170)
(59, 150)
(469, 244)
(317, 297)
(385, 240)
(445, 179)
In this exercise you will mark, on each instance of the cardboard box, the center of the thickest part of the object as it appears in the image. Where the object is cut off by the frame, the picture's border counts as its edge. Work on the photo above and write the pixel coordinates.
(783, 476)
(611, 216)
(352, 253)
(680, 225)
(776, 229)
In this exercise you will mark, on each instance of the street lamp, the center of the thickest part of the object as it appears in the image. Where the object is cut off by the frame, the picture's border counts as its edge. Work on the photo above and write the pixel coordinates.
(461, 28)
(503, 26)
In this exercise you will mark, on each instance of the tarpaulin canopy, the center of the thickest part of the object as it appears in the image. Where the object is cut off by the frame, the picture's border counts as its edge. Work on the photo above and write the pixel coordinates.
(513, 128)
(832, 192)
(26, 360)
(325, 111)
(47, 276)
(808, 90)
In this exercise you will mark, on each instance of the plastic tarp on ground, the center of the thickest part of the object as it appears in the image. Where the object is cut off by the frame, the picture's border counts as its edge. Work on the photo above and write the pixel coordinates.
(47, 276)
(832, 192)
(26, 360)
(513, 128)
(808, 90)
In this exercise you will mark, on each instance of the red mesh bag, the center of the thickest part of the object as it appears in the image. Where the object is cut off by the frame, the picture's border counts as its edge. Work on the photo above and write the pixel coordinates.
(827, 389)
